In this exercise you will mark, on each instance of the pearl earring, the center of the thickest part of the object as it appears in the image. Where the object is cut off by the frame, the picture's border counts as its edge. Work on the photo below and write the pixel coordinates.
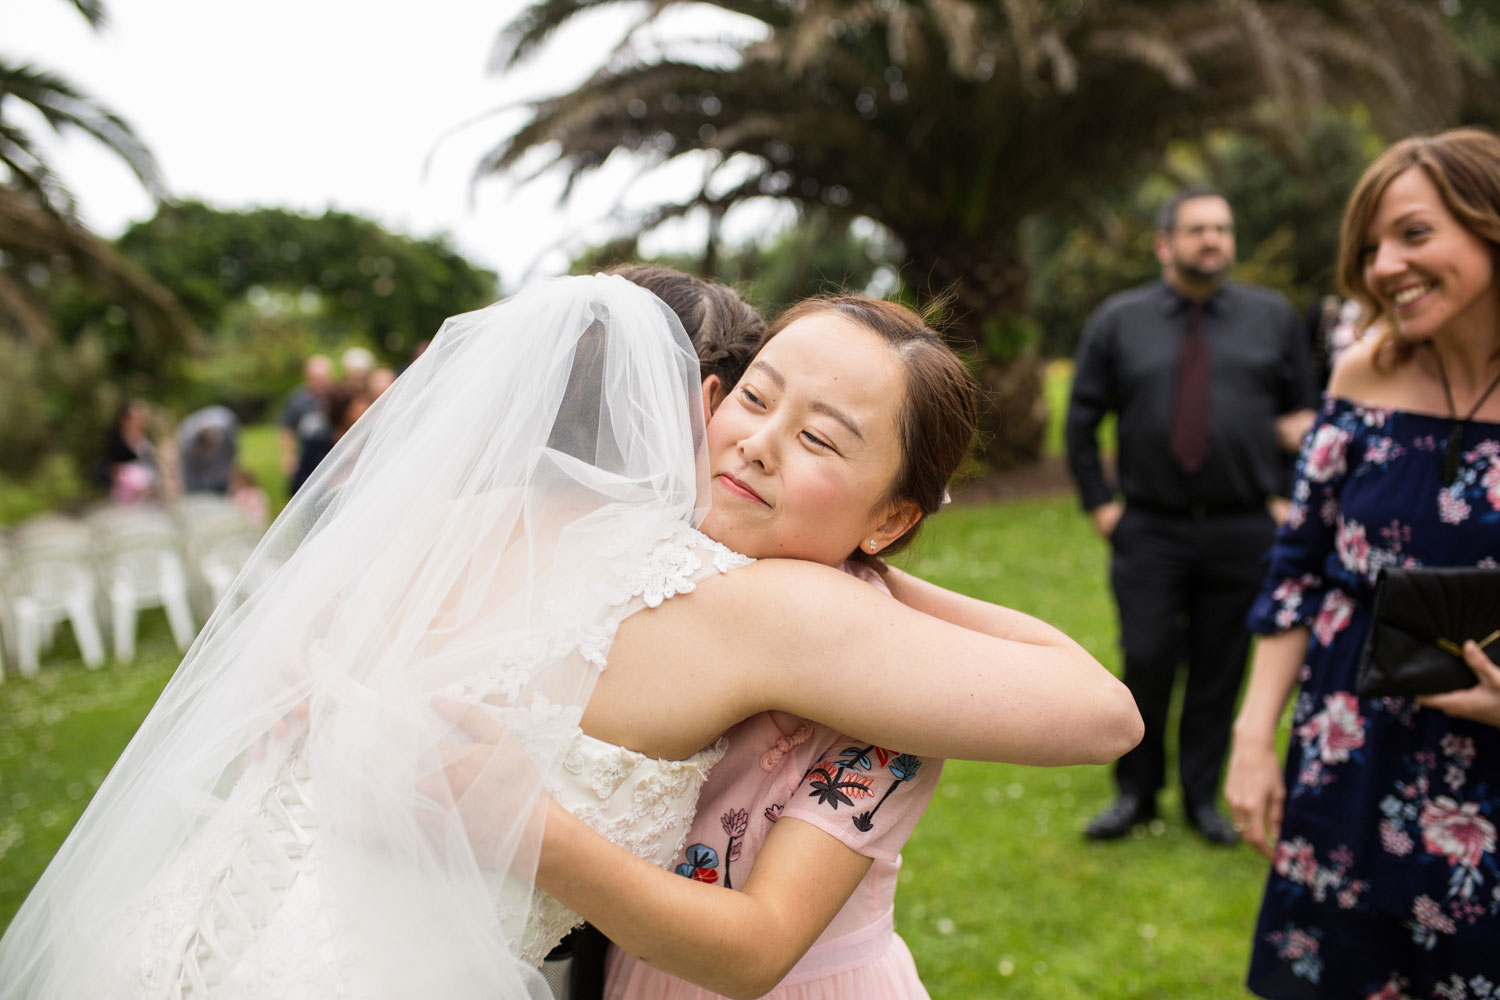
(872, 546)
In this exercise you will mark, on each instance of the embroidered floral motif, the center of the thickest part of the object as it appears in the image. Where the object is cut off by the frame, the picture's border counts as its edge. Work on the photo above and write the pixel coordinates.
(836, 785)
(701, 865)
(734, 823)
(849, 775)
(903, 768)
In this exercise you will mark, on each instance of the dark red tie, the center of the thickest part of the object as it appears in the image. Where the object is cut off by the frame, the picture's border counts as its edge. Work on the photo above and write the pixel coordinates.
(1190, 410)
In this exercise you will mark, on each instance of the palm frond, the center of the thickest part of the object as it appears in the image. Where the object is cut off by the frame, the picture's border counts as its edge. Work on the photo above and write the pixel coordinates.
(31, 231)
(92, 11)
(64, 107)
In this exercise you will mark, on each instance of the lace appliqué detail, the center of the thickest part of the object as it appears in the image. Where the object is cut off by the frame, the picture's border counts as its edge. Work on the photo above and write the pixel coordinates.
(643, 804)
(674, 566)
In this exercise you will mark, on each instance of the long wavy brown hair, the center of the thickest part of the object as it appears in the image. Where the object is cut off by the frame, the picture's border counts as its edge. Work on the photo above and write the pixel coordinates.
(1464, 165)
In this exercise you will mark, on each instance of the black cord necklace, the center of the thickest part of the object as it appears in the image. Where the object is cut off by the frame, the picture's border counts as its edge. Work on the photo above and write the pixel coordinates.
(1454, 449)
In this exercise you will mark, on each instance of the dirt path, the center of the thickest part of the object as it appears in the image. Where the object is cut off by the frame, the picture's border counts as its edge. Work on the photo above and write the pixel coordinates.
(1048, 478)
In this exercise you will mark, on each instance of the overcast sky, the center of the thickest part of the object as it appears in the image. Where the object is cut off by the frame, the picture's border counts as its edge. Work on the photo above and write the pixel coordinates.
(310, 104)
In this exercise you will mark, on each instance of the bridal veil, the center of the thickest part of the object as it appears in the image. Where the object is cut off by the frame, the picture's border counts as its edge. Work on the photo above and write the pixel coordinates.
(475, 538)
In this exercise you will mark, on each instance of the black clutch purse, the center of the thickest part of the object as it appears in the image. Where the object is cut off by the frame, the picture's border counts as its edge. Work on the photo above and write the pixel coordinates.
(1421, 619)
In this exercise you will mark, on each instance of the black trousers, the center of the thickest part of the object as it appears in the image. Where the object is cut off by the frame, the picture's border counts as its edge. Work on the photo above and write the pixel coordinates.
(1183, 585)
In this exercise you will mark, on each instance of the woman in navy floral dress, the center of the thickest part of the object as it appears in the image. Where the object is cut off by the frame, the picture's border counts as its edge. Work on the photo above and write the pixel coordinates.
(1382, 828)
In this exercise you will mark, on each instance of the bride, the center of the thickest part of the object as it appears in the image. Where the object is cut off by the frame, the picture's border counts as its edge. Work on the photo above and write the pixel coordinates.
(281, 824)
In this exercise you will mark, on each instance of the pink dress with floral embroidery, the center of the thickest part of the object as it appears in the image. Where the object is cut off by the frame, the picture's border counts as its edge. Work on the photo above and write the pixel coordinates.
(867, 797)
(1386, 883)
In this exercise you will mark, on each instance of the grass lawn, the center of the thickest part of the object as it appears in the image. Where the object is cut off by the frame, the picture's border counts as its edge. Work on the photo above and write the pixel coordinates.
(1000, 894)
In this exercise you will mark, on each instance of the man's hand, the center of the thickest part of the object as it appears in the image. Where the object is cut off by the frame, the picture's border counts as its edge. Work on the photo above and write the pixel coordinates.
(1105, 517)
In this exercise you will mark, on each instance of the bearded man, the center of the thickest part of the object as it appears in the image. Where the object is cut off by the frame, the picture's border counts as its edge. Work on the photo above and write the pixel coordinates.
(1213, 387)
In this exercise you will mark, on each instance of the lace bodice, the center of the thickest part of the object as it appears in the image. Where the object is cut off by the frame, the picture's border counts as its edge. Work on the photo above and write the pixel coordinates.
(242, 909)
(641, 803)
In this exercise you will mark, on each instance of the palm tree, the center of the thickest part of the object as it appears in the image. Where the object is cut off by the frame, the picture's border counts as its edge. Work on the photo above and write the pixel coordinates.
(39, 227)
(951, 121)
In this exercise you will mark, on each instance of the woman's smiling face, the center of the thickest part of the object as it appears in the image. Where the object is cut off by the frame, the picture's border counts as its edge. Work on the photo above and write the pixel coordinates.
(1423, 266)
(806, 447)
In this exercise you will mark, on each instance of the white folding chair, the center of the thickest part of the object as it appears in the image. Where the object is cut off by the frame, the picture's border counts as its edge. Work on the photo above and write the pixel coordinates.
(140, 563)
(52, 579)
(218, 539)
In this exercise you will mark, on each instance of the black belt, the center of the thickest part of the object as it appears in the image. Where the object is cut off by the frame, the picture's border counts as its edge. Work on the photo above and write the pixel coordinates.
(1197, 511)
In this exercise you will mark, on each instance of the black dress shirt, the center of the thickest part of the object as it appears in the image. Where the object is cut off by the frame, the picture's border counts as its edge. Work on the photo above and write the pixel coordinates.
(1127, 364)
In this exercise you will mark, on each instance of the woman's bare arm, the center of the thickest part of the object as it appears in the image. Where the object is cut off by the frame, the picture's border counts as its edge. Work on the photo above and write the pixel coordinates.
(740, 943)
(1253, 784)
(818, 643)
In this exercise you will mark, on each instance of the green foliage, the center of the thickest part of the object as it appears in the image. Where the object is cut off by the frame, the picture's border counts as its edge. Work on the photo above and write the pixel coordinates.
(819, 254)
(252, 361)
(1288, 203)
(59, 735)
(267, 288)
(53, 404)
(1000, 894)
(950, 124)
(1006, 337)
(54, 484)
(347, 275)
(260, 454)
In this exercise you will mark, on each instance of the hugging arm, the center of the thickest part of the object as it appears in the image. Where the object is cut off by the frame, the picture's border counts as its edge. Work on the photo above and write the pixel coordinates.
(947, 677)
(740, 943)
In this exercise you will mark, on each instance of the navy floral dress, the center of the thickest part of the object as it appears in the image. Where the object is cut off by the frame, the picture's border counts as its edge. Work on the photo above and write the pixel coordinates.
(1385, 883)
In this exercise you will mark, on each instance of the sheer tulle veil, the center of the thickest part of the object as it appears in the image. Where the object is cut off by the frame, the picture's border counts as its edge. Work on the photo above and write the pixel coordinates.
(475, 536)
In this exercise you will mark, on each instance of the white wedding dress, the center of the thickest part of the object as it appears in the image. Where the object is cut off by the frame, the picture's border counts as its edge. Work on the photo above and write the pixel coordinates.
(284, 823)
(243, 912)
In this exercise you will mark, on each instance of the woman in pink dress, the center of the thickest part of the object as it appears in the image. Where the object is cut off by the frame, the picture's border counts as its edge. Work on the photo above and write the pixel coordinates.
(820, 815)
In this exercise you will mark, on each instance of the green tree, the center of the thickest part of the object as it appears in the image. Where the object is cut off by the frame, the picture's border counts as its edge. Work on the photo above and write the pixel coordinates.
(816, 255)
(1288, 206)
(271, 285)
(951, 122)
(52, 390)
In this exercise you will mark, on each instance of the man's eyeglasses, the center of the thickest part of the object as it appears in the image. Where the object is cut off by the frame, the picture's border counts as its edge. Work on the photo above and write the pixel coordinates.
(1198, 232)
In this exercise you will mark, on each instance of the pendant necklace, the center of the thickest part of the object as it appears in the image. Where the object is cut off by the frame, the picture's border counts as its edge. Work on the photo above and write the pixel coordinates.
(1454, 449)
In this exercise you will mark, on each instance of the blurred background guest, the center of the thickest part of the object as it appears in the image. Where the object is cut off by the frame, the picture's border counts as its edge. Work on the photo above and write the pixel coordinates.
(357, 363)
(131, 470)
(302, 416)
(208, 445)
